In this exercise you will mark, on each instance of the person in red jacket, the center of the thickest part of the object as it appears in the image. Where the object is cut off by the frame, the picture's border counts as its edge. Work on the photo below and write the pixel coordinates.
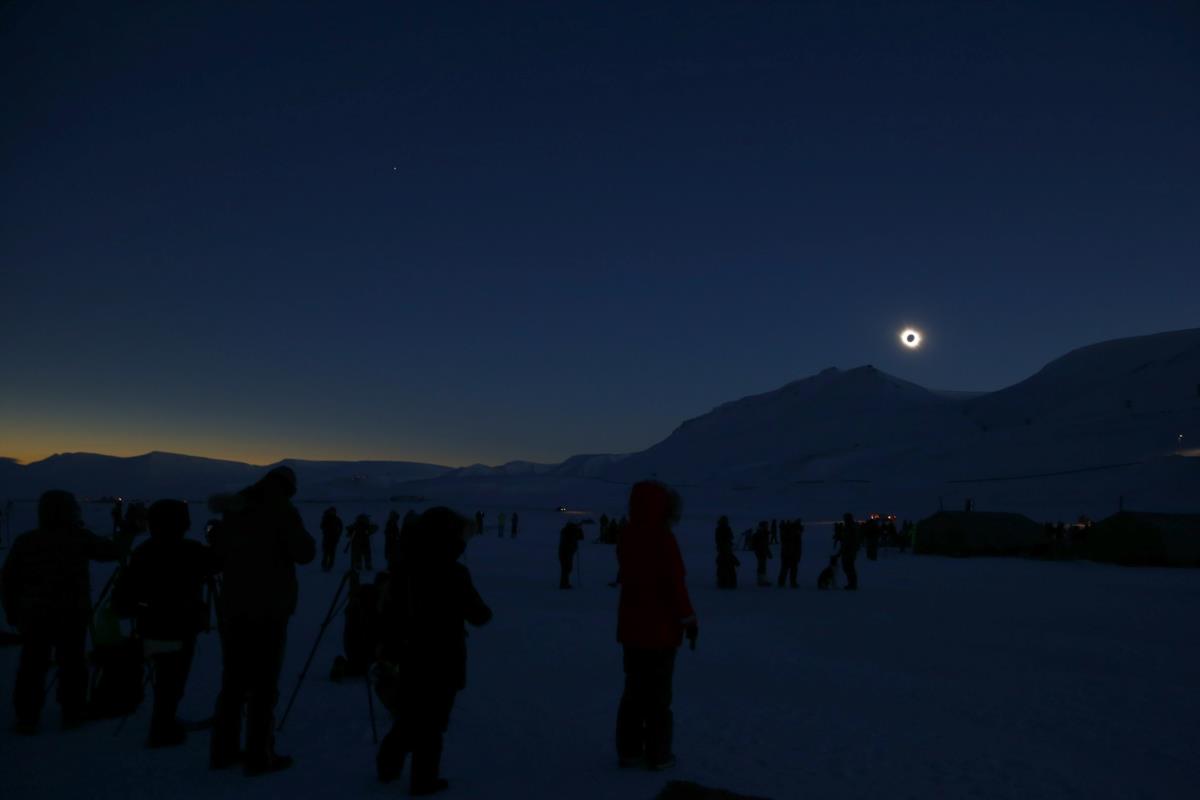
(654, 614)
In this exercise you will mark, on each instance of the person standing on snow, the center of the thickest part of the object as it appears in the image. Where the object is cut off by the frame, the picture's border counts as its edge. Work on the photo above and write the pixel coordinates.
(423, 648)
(47, 597)
(790, 532)
(500, 523)
(568, 545)
(848, 538)
(516, 519)
(162, 588)
(360, 541)
(654, 614)
(259, 542)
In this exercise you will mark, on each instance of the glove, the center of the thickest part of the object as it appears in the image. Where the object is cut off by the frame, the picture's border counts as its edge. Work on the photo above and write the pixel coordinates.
(692, 631)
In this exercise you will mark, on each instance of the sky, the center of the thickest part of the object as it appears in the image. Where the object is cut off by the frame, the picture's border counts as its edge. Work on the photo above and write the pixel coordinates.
(475, 232)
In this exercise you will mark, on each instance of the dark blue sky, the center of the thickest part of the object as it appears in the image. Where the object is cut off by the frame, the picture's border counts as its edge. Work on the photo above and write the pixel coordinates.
(474, 232)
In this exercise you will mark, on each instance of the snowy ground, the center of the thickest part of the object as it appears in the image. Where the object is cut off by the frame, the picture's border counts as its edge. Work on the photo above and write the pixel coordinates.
(980, 678)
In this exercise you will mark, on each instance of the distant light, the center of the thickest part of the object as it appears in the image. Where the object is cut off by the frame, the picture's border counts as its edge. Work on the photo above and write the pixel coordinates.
(910, 338)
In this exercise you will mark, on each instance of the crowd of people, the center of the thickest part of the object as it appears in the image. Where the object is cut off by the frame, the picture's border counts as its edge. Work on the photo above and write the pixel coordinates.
(244, 572)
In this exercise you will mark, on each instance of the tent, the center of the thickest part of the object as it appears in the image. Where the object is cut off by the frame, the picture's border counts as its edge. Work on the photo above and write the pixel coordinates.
(979, 533)
(1146, 538)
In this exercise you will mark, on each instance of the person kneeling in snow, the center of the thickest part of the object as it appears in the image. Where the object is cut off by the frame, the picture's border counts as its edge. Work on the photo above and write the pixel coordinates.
(653, 615)
(423, 651)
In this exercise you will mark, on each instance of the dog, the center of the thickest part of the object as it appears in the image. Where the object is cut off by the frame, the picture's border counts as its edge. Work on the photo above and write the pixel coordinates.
(828, 577)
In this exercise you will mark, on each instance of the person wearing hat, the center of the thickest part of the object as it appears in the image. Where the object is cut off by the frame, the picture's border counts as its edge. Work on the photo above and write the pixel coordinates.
(259, 543)
(162, 588)
(47, 597)
(423, 649)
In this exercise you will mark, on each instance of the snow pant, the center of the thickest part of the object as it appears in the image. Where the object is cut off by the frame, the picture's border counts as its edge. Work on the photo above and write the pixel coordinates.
(762, 570)
(171, 672)
(328, 552)
(644, 719)
(514, 530)
(565, 565)
(360, 554)
(848, 568)
(251, 658)
(420, 720)
(67, 647)
(788, 570)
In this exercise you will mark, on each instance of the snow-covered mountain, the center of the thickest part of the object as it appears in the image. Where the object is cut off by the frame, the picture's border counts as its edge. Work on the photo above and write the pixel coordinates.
(1101, 422)
(160, 474)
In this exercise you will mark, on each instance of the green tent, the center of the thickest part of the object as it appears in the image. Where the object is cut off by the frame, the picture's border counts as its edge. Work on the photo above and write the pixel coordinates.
(1145, 538)
(979, 533)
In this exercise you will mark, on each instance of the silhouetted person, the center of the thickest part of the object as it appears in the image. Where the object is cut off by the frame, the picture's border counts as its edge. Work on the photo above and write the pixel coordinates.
(604, 532)
(568, 545)
(331, 536)
(774, 532)
(501, 521)
(653, 615)
(790, 545)
(424, 647)
(133, 526)
(724, 535)
(479, 522)
(762, 551)
(162, 588)
(516, 519)
(359, 534)
(727, 562)
(259, 543)
(849, 542)
(391, 537)
(47, 597)
(117, 515)
(870, 534)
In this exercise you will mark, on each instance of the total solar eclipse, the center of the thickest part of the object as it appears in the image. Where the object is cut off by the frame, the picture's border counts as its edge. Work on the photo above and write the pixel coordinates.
(910, 338)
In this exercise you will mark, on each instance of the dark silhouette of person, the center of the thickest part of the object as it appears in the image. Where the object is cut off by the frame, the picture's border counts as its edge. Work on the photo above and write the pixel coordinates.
(133, 526)
(724, 535)
(162, 588)
(47, 597)
(774, 532)
(654, 613)
(359, 533)
(331, 535)
(871, 533)
(501, 521)
(762, 551)
(117, 515)
(790, 543)
(727, 562)
(423, 647)
(605, 535)
(479, 523)
(260, 541)
(568, 545)
(516, 519)
(848, 539)
(391, 536)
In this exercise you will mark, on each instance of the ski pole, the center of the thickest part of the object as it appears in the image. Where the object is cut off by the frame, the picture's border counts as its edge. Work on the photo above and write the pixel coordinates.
(312, 653)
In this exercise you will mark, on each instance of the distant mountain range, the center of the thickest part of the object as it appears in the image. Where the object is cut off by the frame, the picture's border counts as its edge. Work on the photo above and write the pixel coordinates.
(1111, 405)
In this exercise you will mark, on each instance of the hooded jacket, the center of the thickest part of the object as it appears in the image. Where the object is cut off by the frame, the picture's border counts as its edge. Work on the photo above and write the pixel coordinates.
(163, 585)
(655, 607)
(259, 543)
(46, 576)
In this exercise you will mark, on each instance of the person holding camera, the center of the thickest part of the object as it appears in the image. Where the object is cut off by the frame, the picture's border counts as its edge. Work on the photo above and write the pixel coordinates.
(654, 614)
(48, 598)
